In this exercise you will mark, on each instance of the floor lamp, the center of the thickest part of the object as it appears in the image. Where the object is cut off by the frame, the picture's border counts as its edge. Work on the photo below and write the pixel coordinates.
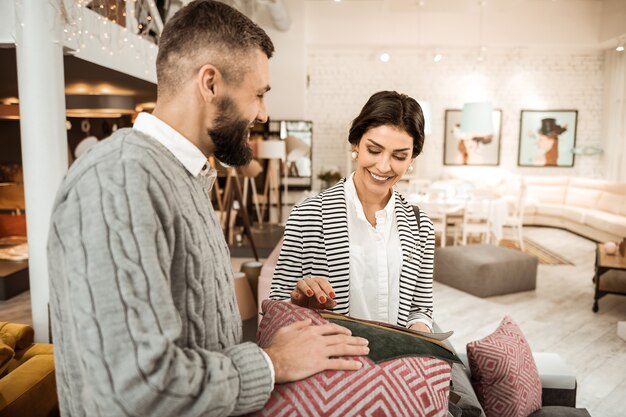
(249, 173)
(232, 192)
(273, 151)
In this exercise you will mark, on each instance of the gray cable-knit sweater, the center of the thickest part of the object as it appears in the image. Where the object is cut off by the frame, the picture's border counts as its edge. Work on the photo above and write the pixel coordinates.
(144, 316)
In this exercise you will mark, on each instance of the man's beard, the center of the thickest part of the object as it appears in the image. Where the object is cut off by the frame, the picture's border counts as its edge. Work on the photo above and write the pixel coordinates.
(230, 135)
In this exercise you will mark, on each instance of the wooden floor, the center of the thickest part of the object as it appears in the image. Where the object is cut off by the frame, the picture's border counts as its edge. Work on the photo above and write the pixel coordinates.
(556, 317)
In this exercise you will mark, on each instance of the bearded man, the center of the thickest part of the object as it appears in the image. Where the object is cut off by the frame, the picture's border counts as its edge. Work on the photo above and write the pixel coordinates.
(144, 316)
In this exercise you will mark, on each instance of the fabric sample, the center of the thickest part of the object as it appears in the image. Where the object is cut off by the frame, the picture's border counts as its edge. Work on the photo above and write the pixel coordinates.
(388, 341)
(407, 386)
(504, 373)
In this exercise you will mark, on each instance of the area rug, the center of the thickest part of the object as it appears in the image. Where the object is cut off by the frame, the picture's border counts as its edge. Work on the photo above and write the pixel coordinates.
(545, 256)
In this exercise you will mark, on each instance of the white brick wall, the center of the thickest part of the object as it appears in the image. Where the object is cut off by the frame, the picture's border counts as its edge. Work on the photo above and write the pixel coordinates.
(340, 83)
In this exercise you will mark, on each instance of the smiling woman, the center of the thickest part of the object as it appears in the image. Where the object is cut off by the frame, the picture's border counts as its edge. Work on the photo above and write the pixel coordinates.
(359, 248)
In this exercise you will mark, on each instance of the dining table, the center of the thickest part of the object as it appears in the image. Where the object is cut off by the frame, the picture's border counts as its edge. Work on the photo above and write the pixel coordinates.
(495, 206)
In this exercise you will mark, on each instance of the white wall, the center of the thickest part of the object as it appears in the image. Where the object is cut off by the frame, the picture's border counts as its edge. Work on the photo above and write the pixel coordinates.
(528, 23)
(288, 65)
(342, 81)
(613, 20)
(7, 22)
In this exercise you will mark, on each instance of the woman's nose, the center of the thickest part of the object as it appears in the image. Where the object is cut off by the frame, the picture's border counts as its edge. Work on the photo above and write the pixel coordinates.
(383, 164)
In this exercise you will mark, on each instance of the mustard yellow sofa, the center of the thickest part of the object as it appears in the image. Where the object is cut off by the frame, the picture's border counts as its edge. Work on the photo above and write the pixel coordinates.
(27, 380)
(592, 208)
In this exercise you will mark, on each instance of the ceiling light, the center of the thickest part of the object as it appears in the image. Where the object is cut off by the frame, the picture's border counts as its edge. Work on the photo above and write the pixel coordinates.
(438, 57)
(384, 57)
(620, 46)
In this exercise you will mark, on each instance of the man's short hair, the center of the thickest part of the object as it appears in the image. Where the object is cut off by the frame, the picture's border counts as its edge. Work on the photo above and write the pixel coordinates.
(207, 32)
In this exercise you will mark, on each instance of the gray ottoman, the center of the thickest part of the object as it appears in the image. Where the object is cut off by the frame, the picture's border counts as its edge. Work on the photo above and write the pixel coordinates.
(485, 270)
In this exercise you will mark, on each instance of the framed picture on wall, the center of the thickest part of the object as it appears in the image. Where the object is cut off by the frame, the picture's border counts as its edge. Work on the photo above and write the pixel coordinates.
(467, 149)
(547, 138)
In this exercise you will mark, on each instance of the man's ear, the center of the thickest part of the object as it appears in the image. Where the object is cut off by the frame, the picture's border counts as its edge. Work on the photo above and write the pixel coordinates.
(208, 80)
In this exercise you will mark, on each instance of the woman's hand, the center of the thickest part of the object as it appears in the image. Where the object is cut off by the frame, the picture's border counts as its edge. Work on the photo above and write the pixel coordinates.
(315, 292)
(420, 327)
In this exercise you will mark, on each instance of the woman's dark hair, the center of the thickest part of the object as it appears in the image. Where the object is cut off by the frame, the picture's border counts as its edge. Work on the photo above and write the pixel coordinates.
(389, 108)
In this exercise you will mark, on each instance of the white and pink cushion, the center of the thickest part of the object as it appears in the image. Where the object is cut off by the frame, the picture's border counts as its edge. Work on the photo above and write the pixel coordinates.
(407, 386)
(504, 374)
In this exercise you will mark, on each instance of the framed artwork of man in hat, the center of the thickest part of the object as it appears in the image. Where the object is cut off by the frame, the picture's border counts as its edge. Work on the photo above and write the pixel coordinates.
(547, 138)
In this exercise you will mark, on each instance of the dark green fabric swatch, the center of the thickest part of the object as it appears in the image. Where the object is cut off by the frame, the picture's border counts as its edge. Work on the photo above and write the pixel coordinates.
(386, 344)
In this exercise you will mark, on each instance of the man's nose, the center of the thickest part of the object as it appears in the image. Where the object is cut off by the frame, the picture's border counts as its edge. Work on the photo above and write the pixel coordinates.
(261, 116)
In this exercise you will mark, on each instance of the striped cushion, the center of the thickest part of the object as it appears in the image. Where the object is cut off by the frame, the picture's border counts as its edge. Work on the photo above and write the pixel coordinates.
(409, 386)
(504, 373)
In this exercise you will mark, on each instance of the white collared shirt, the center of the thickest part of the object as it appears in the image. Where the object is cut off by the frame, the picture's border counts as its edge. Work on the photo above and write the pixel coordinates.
(189, 155)
(186, 152)
(375, 260)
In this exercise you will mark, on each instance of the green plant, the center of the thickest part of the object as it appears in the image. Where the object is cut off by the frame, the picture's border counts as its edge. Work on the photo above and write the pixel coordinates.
(330, 176)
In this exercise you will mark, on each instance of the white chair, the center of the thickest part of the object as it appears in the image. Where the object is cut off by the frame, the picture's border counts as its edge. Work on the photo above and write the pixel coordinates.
(440, 225)
(515, 216)
(476, 220)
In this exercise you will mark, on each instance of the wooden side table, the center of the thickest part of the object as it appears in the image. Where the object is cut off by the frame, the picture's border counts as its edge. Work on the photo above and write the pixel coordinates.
(610, 276)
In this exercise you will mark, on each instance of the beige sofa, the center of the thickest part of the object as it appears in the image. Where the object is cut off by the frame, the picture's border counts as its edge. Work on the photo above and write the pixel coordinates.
(595, 209)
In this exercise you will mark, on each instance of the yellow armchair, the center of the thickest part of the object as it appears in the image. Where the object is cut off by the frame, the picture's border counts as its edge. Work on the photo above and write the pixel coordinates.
(27, 381)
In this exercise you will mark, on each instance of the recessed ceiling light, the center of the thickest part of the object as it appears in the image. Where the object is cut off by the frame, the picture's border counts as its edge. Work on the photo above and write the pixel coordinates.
(438, 57)
(384, 57)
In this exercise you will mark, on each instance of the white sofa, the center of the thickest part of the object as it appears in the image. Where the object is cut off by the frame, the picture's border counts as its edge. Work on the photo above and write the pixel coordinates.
(595, 209)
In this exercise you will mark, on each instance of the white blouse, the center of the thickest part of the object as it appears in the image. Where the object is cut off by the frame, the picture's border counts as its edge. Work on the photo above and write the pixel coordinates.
(375, 260)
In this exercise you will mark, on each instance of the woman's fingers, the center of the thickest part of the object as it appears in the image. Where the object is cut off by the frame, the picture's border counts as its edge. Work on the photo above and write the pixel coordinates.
(304, 288)
(320, 294)
(298, 298)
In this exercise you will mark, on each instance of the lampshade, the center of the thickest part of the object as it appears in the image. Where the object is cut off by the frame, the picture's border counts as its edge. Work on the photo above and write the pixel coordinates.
(477, 118)
(428, 116)
(271, 149)
(296, 148)
(245, 299)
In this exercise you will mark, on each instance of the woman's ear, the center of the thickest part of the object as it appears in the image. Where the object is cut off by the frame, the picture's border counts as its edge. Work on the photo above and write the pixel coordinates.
(208, 79)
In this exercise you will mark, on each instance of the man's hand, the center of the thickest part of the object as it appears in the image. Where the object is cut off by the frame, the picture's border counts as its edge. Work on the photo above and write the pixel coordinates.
(301, 349)
(314, 293)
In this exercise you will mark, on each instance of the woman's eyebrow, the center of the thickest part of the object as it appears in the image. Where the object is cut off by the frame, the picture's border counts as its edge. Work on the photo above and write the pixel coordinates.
(381, 146)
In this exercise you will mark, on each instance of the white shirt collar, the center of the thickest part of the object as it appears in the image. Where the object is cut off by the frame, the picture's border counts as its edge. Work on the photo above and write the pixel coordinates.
(186, 152)
(353, 197)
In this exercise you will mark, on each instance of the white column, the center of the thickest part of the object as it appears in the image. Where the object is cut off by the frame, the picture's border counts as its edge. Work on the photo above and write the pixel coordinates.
(44, 139)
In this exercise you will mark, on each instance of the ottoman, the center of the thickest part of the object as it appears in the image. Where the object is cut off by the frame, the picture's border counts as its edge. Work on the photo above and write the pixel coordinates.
(485, 270)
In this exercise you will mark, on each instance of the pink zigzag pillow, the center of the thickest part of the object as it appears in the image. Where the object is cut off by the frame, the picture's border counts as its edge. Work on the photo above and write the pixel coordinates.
(412, 386)
(504, 373)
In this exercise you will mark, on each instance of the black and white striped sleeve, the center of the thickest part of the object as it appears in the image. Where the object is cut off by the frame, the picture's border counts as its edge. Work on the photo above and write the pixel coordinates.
(422, 304)
(289, 266)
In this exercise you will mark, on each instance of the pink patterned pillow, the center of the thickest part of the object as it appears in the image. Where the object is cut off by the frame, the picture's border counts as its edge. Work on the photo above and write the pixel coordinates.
(409, 386)
(504, 373)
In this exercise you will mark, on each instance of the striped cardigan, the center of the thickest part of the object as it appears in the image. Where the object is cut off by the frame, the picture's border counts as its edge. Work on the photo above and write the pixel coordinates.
(316, 244)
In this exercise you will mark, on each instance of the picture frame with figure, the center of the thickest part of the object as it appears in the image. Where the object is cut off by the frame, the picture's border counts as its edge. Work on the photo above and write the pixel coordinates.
(547, 138)
(462, 149)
